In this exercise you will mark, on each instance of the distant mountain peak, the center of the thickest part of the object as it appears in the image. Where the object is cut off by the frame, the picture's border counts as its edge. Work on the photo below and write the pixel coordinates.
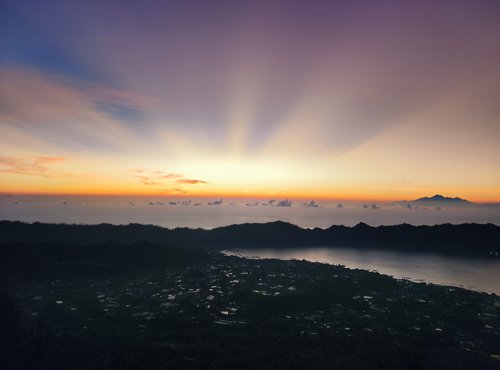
(440, 198)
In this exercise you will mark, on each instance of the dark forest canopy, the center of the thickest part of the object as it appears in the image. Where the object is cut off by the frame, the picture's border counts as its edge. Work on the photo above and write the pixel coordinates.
(474, 239)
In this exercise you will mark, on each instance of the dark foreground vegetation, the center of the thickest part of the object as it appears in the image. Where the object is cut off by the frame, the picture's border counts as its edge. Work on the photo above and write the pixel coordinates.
(468, 239)
(145, 306)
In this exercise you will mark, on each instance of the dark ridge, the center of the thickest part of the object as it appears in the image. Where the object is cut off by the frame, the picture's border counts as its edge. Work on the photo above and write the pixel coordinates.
(471, 239)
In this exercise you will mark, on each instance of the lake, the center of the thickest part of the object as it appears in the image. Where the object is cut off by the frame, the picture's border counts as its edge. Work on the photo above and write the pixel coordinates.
(477, 274)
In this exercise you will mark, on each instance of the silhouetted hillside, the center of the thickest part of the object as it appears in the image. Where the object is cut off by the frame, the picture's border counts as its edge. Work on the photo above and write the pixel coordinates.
(477, 239)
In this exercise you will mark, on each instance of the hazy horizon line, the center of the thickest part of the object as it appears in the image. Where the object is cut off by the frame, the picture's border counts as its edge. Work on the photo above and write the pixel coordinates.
(247, 197)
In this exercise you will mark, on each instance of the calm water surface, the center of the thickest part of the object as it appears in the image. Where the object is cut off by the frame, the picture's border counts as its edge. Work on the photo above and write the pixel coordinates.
(477, 274)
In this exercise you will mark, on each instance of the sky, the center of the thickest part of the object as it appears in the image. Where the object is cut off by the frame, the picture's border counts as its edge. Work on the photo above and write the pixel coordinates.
(350, 100)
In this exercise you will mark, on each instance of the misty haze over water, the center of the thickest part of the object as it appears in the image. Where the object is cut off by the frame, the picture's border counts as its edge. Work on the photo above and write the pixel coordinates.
(210, 213)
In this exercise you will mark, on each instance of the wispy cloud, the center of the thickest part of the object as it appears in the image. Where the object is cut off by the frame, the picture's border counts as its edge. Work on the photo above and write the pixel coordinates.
(54, 96)
(60, 112)
(190, 181)
(33, 166)
(167, 182)
(154, 177)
